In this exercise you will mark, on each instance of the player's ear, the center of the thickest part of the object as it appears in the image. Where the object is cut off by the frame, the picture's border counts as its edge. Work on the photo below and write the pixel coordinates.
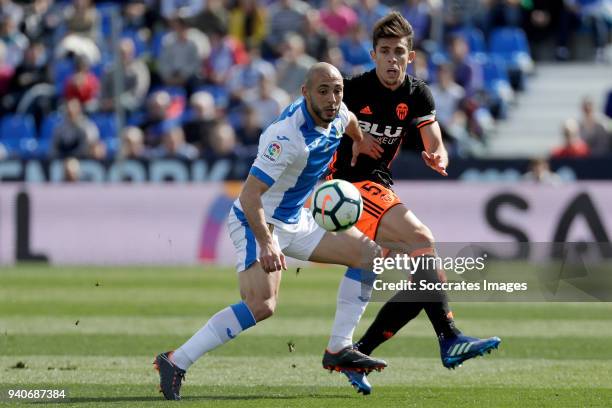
(411, 56)
(373, 55)
(304, 91)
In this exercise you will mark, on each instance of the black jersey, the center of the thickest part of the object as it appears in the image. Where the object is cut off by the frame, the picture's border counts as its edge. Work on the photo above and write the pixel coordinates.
(385, 114)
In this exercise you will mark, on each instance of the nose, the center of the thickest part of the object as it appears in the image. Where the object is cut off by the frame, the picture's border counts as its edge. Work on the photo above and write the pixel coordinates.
(333, 97)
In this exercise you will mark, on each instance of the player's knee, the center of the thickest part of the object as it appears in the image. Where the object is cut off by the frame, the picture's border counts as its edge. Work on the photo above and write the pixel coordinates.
(262, 308)
(422, 235)
(370, 252)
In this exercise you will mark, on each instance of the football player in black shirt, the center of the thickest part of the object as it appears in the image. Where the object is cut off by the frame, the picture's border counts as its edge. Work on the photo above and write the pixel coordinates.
(387, 102)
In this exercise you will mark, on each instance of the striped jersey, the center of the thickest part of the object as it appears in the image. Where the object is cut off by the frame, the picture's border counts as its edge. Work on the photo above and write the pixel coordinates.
(293, 154)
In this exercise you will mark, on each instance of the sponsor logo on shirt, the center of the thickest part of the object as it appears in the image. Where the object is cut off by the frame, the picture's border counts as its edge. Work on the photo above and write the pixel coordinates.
(386, 135)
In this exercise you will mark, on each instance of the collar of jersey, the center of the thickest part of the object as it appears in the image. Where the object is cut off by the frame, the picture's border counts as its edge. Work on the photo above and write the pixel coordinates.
(310, 124)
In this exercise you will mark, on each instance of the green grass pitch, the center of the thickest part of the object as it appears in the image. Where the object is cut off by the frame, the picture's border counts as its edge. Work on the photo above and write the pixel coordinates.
(94, 331)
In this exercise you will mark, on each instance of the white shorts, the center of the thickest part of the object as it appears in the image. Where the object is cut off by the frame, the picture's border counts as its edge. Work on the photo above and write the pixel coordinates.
(298, 243)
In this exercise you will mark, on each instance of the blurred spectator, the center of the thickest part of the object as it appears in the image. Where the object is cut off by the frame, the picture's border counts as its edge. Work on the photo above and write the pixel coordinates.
(32, 71)
(448, 96)
(174, 146)
(250, 129)
(75, 45)
(160, 115)
(72, 170)
(316, 40)
(335, 57)
(41, 20)
(597, 16)
(573, 146)
(463, 13)
(132, 144)
(594, 130)
(15, 42)
(286, 16)
(420, 66)
(213, 18)
(189, 8)
(244, 77)
(293, 65)
(135, 84)
(370, 11)
(247, 22)
(503, 13)
(419, 13)
(183, 50)
(98, 150)
(83, 19)
(74, 135)
(268, 100)
(135, 17)
(6, 71)
(539, 172)
(356, 48)
(467, 72)
(203, 118)
(222, 142)
(83, 85)
(338, 18)
(12, 10)
(225, 53)
(547, 19)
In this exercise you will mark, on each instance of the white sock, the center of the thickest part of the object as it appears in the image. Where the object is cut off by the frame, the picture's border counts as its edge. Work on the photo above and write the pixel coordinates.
(221, 328)
(353, 297)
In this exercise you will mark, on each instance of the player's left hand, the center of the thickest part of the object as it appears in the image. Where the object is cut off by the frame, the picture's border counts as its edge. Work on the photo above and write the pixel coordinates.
(434, 161)
(368, 145)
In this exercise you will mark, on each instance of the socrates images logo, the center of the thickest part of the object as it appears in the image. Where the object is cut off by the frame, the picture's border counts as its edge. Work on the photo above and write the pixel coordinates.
(273, 151)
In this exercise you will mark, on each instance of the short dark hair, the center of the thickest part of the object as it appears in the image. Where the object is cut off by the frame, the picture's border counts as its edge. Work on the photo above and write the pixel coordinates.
(393, 25)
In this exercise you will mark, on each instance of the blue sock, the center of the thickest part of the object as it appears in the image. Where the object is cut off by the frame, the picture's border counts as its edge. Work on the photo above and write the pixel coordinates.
(221, 328)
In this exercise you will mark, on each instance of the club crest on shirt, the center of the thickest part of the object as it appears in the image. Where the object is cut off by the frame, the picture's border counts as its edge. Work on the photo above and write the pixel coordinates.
(273, 151)
(401, 110)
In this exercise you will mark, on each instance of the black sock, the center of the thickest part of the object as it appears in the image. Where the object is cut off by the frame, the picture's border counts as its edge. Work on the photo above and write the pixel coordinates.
(441, 319)
(436, 302)
(405, 306)
(394, 315)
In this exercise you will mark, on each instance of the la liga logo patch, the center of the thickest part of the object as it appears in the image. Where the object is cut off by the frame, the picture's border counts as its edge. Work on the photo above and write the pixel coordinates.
(273, 151)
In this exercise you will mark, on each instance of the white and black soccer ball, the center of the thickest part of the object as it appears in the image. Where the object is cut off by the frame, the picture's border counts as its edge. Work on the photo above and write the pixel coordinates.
(336, 205)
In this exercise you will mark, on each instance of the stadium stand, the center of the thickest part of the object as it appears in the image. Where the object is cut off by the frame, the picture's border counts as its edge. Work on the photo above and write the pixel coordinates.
(79, 34)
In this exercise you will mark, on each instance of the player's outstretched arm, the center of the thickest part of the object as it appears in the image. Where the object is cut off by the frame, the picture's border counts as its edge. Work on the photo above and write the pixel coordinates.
(435, 155)
(270, 256)
(362, 142)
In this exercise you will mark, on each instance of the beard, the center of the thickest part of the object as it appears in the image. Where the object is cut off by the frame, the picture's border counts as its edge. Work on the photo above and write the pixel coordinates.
(322, 115)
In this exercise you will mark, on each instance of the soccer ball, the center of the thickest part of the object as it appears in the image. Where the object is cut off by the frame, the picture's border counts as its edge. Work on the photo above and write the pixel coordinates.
(336, 205)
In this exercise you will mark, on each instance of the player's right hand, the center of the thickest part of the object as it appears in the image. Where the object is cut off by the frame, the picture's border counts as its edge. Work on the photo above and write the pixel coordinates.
(272, 259)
